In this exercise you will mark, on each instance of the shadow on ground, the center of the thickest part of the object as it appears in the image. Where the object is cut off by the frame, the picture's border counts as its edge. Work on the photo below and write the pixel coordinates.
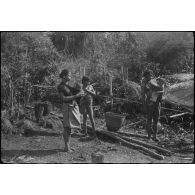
(33, 153)
(30, 133)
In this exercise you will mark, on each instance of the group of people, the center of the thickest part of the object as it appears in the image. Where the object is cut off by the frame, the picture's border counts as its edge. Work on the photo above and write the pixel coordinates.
(151, 96)
(70, 108)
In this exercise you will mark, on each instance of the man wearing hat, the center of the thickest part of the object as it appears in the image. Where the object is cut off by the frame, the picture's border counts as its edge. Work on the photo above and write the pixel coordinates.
(152, 91)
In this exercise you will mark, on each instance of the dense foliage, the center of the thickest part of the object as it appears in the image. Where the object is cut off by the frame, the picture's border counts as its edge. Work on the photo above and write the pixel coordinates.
(29, 58)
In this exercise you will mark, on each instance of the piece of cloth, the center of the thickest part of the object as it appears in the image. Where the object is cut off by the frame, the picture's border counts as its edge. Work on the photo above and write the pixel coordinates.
(70, 109)
(71, 116)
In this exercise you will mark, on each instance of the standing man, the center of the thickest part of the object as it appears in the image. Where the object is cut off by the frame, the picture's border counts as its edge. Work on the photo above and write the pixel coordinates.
(151, 106)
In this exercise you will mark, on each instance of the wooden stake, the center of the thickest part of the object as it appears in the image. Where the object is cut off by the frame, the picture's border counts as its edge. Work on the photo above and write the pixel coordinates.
(111, 94)
(104, 74)
(127, 79)
(80, 69)
(83, 71)
(122, 73)
(11, 96)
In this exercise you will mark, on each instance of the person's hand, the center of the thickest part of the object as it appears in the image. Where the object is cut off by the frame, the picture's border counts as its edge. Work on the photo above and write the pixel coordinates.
(80, 94)
(160, 92)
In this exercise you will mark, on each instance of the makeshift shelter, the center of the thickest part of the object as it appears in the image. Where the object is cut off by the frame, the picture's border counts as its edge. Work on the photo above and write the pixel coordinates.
(181, 94)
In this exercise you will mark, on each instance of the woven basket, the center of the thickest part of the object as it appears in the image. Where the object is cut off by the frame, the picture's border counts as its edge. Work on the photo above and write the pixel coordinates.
(114, 121)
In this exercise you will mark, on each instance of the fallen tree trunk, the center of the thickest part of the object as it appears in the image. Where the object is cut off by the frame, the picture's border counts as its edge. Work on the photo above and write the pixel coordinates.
(131, 145)
(159, 149)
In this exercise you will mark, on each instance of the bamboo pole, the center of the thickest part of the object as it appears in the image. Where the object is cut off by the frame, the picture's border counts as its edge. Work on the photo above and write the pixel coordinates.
(177, 115)
(122, 73)
(11, 96)
(84, 71)
(111, 94)
(127, 79)
(80, 69)
(132, 145)
(104, 70)
(159, 149)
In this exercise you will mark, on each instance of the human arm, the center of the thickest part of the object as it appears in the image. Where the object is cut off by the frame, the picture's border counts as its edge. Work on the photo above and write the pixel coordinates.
(66, 99)
(66, 95)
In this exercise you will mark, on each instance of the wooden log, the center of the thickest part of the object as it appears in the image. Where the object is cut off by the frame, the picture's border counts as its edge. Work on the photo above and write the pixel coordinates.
(133, 135)
(135, 123)
(157, 148)
(132, 145)
(177, 115)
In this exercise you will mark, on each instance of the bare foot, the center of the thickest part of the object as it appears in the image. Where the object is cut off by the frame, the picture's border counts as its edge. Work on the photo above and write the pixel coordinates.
(156, 139)
(67, 149)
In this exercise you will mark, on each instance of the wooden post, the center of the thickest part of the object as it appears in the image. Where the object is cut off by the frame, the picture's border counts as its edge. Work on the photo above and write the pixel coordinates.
(111, 90)
(80, 69)
(122, 73)
(83, 71)
(11, 96)
(127, 79)
(104, 70)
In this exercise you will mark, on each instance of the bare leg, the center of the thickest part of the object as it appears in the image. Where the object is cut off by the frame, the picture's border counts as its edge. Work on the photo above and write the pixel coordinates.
(155, 122)
(90, 112)
(85, 121)
(66, 136)
(149, 120)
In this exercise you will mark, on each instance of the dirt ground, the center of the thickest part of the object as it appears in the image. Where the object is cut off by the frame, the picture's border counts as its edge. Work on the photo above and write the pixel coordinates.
(46, 146)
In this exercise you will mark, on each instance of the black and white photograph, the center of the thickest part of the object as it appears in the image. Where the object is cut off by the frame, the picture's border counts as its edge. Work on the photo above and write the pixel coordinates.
(97, 97)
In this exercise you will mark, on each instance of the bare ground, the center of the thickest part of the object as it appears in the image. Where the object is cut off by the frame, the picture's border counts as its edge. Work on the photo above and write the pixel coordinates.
(46, 146)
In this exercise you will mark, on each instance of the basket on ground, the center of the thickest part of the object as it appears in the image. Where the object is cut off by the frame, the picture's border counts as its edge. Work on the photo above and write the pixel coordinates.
(114, 121)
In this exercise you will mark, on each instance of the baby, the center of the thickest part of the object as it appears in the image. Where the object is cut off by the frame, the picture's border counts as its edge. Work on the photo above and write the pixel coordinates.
(156, 96)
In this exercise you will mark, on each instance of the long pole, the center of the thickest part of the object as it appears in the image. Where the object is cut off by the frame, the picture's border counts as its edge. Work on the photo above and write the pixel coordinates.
(127, 79)
(84, 71)
(122, 73)
(80, 69)
(111, 94)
